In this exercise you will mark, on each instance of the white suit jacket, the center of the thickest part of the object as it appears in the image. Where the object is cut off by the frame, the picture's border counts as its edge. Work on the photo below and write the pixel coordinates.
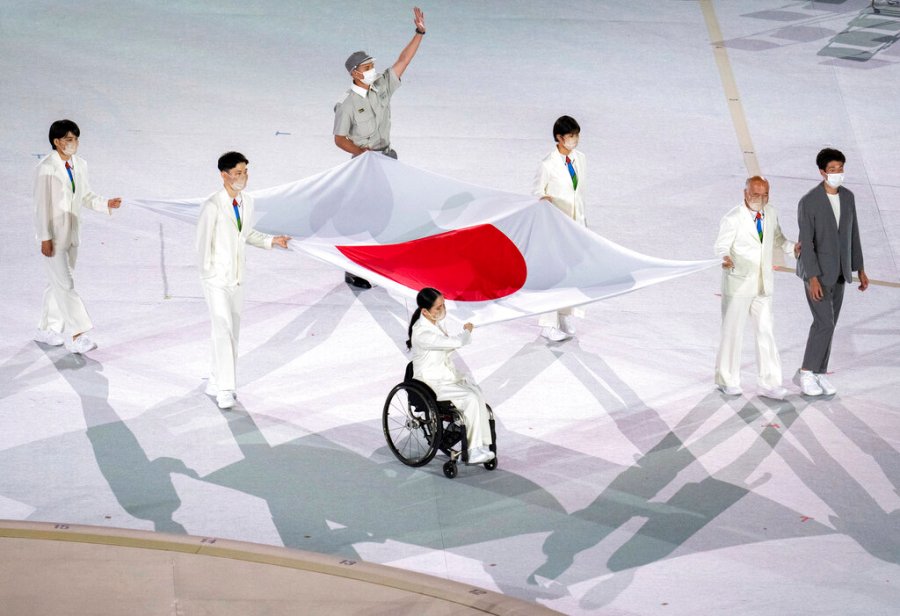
(432, 347)
(738, 237)
(553, 180)
(56, 207)
(220, 246)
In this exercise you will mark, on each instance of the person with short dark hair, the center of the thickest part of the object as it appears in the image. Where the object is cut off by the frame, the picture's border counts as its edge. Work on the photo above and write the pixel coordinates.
(560, 180)
(362, 118)
(431, 346)
(61, 190)
(223, 229)
(829, 232)
(748, 236)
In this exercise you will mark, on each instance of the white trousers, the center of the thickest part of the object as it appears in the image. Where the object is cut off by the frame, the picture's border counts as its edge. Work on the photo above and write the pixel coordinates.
(553, 319)
(63, 309)
(225, 303)
(470, 401)
(735, 311)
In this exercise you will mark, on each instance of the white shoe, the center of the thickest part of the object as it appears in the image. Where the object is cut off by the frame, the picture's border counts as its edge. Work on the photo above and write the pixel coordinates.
(554, 334)
(225, 399)
(776, 393)
(81, 344)
(730, 390)
(480, 455)
(827, 388)
(49, 337)
(212, 390)
(567, 324)
(809, 385)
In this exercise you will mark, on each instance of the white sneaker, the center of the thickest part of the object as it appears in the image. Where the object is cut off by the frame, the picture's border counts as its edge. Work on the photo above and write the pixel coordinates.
(567, 324)
(729, 390)
(225, 399)
(553, 334)
(776, 393)
(480, 455)
(212, 390)
(49, 337)
(809, 385)
(81, 344)
(827, 388)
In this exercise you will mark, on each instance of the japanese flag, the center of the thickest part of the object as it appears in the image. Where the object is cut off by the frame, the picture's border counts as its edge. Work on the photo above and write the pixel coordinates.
(494, 255)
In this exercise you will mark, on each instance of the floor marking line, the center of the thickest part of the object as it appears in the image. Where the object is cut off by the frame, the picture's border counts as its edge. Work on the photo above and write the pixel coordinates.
(729, 85)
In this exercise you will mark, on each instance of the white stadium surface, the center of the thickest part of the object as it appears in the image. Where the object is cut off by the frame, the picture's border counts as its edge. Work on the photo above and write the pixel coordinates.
(627, 484)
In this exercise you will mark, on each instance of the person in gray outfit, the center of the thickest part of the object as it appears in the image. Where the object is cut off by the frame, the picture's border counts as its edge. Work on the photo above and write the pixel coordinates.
(362, 117)
(829, 234)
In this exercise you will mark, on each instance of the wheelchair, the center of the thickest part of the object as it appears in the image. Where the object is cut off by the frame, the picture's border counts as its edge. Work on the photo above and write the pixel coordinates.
(416, 425)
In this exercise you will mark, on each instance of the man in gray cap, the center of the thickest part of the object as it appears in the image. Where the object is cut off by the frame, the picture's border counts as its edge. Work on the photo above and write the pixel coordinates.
(362, 118)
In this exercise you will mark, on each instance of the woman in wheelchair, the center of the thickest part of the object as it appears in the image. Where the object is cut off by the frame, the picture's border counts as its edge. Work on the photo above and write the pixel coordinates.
(431, 346)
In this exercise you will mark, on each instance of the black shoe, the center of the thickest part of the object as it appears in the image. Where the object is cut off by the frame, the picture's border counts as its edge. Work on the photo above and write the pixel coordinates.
(356, 281)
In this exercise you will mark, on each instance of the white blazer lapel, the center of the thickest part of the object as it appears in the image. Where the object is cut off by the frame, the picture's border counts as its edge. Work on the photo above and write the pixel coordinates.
(769, 223)
(563, 170)
(749, 225)
(226, 203)
(579, 167)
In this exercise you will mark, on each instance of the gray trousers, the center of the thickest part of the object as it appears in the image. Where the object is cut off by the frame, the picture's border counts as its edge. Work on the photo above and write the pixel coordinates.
(825, 314)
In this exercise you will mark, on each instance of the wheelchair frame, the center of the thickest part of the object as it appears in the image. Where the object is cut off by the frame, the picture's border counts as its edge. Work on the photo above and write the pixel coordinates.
(416, 425)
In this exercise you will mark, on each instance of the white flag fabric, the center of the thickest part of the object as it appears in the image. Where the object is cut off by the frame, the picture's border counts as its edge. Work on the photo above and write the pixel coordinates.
(494, 255)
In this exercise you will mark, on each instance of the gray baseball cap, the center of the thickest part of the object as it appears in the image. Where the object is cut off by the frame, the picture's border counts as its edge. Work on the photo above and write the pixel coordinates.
(356, 58)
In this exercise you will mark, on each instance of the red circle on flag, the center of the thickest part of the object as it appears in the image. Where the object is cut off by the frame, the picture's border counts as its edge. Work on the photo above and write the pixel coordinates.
(473, 264)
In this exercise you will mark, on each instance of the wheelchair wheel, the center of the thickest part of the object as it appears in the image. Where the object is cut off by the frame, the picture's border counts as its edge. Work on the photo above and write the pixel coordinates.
(450, 469)
(411, 424)
(491, 464)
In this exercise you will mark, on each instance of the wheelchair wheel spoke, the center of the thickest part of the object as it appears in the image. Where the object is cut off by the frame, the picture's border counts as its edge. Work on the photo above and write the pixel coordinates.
(409, 425)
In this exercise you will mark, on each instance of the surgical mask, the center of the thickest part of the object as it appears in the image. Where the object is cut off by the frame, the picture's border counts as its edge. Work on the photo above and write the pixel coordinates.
(368, 77)
(835, 179)
(69, 149)
(438, 316)
(237, 183)
(570, 144)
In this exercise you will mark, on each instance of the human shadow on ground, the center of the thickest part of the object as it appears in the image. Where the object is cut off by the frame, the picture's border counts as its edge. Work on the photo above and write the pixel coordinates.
(667, 463)
(325, 498)
(143, 487)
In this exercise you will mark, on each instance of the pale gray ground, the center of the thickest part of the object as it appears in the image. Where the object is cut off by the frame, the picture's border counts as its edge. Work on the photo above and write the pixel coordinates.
(627, 485)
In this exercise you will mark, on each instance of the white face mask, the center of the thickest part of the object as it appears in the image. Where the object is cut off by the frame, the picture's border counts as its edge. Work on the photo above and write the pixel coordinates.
(69, 149)
(438, 315)
(369, 76)
(570, 144)
(237, 183)
(835, 179)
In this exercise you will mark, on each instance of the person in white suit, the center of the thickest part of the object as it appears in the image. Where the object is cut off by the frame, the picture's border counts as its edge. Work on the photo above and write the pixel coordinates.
(432, 347)
(747, 236)
(560, 180)
(224, 228)
(61, 190)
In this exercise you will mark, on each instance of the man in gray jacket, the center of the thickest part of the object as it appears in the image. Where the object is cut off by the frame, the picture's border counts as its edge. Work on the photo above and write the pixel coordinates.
(829, 234)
